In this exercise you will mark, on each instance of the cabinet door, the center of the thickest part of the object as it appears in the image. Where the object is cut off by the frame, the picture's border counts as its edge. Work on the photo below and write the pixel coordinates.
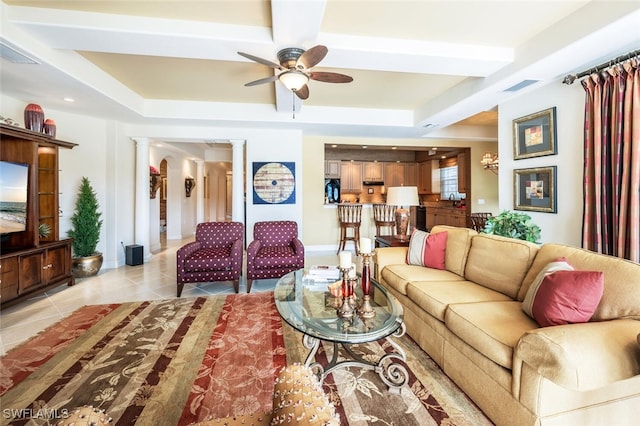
(463, 172)
(424, 177)
(332, 169)
(56, 263)
(393, 174)
(373, 171)
(410, 174)
(351, 177)
(9, 277)
(31, 271)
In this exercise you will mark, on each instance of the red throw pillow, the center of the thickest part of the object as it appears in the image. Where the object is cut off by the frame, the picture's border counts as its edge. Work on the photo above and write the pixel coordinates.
(427, 249)
(566, 297)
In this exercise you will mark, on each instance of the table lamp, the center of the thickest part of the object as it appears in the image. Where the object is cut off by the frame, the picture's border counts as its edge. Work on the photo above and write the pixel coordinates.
(402, 196)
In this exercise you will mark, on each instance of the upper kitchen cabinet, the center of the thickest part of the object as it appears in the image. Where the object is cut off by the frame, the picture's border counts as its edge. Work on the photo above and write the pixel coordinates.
(332, 169)
(351, 177)
(373, 171)
(410, 174)
(393, 174)
(464, 172)
(424, 177)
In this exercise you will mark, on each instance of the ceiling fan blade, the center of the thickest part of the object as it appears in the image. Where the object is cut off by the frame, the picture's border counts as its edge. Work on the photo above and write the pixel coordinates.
(303, 92)
(261, 61)
(313, 56)
(330, 77)
(262, 81)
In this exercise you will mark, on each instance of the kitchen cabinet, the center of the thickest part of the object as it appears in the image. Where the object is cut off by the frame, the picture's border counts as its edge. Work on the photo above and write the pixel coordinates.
(373, 171)
(393, 174)
(463, 172)
(424, 177)
(410, 174)
(446, 216)
(332, 169)
(351, 177)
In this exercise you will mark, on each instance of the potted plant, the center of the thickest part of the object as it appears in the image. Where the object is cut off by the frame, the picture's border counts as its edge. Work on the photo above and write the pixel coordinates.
(85, 231)
(513, 225)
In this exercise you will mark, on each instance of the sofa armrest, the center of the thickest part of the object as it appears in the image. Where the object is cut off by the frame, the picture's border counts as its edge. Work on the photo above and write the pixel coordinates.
(384, 256)
(580, 356)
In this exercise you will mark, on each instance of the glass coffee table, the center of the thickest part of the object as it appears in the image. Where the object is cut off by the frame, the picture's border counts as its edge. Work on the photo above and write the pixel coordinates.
(309, 307)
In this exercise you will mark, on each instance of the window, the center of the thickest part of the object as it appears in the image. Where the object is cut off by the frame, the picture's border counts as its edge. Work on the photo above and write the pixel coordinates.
(449, 182)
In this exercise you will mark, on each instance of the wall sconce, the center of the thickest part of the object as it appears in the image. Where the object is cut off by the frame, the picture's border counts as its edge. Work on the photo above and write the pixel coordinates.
(189, 184)
(490, 162)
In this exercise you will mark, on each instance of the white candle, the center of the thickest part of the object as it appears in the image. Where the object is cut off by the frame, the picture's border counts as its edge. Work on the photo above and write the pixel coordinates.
(352, 271)
(365, 245)
(345, 259)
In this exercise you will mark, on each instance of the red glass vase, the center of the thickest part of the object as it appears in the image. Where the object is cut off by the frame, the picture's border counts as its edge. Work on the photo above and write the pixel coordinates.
(34, 118)
(49, 127)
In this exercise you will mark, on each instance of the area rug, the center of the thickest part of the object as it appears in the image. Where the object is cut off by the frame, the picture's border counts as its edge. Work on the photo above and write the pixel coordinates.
(181, 361)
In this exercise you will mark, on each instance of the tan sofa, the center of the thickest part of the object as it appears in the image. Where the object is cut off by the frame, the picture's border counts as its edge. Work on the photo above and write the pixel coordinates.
(469, 319)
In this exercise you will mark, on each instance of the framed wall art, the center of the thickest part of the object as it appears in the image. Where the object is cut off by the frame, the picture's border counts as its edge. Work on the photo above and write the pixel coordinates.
(274, 183)
(535, 189)
(534, 135)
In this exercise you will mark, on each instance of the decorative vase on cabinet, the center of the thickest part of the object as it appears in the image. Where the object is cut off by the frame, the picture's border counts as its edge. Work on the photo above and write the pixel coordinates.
(34, 118)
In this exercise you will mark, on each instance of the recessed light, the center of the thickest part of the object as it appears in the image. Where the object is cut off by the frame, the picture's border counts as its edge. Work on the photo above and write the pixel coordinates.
(444, 156)
(69, 99)
(364, 147)
(394, 147)
(334, 146)
(435, 148)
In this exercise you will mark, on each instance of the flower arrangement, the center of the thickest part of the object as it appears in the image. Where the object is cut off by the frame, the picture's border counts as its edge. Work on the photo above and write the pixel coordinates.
(153, 170)
(154, 181)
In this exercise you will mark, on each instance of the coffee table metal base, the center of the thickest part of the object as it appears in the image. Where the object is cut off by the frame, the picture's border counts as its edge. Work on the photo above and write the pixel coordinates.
(392, 373)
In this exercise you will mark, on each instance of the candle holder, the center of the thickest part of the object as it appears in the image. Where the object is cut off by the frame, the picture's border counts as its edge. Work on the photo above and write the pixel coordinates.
(345, 310)
(366, 310)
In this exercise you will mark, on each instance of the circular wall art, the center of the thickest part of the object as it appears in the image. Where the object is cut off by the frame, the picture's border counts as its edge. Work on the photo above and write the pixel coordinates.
(274, 183)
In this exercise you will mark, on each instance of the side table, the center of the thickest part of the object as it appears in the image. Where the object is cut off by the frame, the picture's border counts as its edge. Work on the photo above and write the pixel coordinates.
(391, 241)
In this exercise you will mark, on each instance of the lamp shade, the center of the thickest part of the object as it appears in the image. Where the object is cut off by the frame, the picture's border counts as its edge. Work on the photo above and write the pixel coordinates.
(293, 79)
(403, 196)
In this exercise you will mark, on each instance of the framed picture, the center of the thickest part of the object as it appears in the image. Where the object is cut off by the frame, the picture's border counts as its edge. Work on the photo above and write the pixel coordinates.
(535, 135)
(274, 183)
(535, 189)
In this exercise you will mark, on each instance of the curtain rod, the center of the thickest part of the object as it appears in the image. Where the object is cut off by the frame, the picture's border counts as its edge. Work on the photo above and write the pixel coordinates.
(570, 78)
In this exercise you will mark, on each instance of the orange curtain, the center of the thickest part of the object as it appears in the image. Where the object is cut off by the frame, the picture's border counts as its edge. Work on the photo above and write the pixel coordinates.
(611, 217)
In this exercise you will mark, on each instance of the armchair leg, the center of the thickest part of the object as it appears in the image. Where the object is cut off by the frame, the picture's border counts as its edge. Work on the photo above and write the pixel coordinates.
(180, 286)
(249, 282)
(236, 285)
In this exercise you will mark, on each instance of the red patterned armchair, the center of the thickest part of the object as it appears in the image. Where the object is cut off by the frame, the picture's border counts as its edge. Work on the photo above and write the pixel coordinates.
(274, 251)
(215, 255)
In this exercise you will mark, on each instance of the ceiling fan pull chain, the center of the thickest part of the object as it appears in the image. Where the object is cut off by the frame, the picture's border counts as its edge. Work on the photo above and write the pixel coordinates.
(293, 102)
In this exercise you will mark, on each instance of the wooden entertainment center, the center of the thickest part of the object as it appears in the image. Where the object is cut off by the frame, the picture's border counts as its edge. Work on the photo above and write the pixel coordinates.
(30, 264)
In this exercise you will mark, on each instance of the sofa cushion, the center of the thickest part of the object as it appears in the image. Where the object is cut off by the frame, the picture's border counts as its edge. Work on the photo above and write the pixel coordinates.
(559, 264)
(621, 294)
(434, 296)
(398, 276)
(499, 263)
(566, 297)
(491, 328)
(458, 243)
(427, 249)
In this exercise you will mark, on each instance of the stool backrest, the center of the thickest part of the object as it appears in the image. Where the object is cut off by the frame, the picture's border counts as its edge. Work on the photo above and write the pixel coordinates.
(384, 213)
(349, 213)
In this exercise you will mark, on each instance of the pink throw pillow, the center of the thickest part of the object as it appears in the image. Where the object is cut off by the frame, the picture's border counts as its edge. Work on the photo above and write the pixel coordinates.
(427, 249)
(566, 297)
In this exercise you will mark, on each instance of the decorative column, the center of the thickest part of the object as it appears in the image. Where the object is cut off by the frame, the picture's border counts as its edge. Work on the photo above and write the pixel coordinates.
(199, 191)
(237, 211)
(142, 196)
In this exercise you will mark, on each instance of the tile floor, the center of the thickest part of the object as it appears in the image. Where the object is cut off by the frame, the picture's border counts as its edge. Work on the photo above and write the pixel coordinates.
(155, 279)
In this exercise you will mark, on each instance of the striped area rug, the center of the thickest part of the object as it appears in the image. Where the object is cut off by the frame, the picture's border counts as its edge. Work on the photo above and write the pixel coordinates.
(181, 361)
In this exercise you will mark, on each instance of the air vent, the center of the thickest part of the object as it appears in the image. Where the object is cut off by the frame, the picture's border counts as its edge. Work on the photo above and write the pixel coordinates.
(520, 86)
(14, 54)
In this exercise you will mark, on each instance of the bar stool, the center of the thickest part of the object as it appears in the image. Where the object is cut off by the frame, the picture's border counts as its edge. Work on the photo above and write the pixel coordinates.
(349, 216)
(384, 215)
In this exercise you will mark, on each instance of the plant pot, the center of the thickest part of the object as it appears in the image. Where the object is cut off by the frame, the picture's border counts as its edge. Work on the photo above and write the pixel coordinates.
(82, 267)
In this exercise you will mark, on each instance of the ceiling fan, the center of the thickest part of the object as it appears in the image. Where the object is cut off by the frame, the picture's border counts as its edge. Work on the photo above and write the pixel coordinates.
(296, 64)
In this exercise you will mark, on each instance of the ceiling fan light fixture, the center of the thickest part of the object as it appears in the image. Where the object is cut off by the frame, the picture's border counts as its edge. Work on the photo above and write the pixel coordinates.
(293, 79)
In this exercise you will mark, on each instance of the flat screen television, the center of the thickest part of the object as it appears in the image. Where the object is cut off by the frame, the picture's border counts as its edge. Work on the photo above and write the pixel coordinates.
(14, 186)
